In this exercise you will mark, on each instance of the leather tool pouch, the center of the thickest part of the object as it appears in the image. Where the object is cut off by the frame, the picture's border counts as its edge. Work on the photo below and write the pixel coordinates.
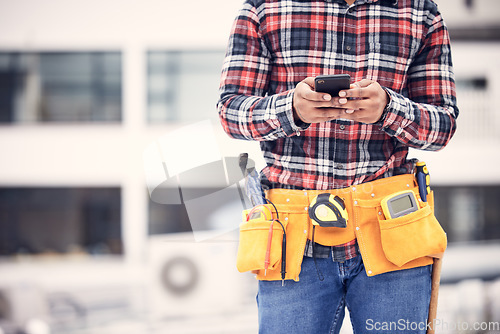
(412, 236)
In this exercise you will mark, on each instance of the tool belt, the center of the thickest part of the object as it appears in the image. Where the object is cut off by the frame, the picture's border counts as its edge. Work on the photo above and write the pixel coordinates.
(385, 244)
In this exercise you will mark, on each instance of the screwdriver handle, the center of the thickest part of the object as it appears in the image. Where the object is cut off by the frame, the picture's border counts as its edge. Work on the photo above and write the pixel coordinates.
(423, 180)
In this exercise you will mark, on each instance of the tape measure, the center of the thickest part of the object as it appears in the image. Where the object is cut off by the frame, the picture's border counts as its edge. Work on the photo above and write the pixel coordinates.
(327, 210)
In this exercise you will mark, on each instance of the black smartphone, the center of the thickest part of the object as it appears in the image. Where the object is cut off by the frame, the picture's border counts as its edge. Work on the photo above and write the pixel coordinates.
(332, 84)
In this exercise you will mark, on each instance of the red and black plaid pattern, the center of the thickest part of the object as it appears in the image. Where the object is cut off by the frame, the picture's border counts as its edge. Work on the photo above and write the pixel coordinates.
(340, 253)
(403, 45)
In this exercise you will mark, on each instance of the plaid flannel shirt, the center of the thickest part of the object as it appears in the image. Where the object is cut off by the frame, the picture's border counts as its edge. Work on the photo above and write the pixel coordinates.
(274, 44)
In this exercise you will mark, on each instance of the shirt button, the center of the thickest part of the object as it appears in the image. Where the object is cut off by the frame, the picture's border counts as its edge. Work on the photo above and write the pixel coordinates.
(348, 48)
(340, 166)
(342, 127)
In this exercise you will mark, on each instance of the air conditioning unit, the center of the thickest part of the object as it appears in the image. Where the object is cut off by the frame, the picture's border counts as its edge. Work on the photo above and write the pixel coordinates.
(188, 277)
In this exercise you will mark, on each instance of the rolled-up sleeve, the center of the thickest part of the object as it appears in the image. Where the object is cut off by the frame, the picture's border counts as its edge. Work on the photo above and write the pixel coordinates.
(245, 109)
(424, 116)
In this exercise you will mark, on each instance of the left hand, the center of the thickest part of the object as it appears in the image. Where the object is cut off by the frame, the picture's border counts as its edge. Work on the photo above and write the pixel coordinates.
(364, 102)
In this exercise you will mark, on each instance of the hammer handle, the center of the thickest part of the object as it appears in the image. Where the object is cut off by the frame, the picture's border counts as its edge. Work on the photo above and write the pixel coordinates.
(436, 278)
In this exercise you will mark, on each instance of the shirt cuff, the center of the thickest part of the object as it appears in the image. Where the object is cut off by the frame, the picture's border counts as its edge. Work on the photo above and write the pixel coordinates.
(284, 111)
(394, 115)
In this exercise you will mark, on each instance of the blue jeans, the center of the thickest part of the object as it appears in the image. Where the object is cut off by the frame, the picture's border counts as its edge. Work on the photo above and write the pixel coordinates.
(394, 302)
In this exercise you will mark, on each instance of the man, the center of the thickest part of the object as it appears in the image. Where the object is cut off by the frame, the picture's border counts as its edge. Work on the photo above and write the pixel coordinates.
(402, 95)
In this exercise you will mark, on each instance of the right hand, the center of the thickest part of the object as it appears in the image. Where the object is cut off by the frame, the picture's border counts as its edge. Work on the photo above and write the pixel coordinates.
(312, 107)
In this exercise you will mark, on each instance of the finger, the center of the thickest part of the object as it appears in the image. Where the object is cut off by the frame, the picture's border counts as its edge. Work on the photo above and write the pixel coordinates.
(363, 83)
(356, 104)
(309, 81)
(316, 96)
(365, 104)
(307, 92)
(360, 89)
(357, 90)
(362, 116)
(328, 114)
(354, 115)
(324, 105)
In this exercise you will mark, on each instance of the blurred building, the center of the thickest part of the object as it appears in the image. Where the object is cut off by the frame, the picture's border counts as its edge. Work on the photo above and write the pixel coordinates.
(85, 87)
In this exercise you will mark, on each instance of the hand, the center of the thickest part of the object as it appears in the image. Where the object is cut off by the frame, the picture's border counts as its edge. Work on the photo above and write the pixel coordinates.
(314, 107)
(364, 102)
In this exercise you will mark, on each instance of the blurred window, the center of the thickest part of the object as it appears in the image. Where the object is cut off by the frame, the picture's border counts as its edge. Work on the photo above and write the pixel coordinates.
(478, 116)
(167, 218)
(183, 85)
(60, 221)
(60, 87)
(473, 83)
(469, 213)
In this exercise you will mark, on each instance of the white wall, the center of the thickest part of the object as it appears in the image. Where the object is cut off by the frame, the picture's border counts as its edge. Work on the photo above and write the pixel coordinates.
(114, 23)
(473, 154)
(59, 154)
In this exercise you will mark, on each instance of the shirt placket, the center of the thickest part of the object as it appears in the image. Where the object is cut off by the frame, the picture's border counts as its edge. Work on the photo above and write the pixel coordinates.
(347, 37)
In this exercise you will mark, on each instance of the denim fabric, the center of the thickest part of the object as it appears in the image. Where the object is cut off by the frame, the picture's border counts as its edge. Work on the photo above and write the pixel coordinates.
(394, 302)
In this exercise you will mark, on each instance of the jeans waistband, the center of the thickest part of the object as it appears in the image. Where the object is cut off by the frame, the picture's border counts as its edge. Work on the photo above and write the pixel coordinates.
(339, 253)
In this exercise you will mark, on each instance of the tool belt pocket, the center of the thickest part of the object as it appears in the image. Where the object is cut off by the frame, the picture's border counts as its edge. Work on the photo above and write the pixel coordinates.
(415, 235)
(253, 245)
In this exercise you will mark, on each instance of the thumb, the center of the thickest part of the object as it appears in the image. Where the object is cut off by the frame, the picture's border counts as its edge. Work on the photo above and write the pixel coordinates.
(362, 83)
(309, 81)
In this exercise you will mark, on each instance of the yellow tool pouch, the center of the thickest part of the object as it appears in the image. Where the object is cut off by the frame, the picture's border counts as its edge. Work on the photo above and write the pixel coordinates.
(400, 243)
(254, 237)
(252, 248)
(412, 236)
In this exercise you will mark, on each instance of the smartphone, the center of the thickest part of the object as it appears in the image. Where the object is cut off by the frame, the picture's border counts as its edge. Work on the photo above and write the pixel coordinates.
(332, 84)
